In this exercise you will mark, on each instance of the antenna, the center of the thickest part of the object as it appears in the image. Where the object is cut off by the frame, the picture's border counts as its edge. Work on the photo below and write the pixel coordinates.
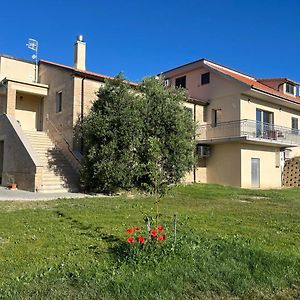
(33, 45)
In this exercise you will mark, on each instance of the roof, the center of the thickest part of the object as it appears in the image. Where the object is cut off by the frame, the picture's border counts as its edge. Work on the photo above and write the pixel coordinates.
(252, 81)
(17, 58)
(89, 74)
(241, 77)
(278, 79)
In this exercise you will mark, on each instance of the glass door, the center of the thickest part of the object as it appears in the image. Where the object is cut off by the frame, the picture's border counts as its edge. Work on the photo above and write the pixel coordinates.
(264, 124)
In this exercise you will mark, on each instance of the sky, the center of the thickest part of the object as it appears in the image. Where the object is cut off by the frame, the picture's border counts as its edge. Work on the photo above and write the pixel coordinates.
(143, 38)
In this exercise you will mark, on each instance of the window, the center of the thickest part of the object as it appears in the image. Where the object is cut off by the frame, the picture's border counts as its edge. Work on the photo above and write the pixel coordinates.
(189, 110)
(215, 117)
(264, 124)
(205, 78)
(290, 89)
(58, 102)
(180, 82)
(294, 125)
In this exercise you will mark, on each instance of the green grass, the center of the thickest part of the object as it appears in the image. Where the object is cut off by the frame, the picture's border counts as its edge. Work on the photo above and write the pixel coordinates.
(232, 244)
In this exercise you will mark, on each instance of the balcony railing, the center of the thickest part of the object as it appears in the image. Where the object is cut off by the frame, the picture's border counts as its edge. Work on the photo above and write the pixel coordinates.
(250, 130)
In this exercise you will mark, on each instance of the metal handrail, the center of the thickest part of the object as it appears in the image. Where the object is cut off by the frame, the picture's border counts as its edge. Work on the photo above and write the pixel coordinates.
(251, 129)
(65, 140)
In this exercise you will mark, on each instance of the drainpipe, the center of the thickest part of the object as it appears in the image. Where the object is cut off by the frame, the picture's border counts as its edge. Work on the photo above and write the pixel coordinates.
(82, 110)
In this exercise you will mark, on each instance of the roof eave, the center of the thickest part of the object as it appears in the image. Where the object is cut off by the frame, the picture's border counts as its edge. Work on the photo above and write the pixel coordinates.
(286, 100)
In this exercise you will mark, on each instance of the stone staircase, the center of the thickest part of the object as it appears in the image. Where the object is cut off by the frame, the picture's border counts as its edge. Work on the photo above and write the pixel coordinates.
(58, 174)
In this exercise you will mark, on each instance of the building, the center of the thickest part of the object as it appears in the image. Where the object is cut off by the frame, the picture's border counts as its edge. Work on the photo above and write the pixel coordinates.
(247, 127)
(37, 146)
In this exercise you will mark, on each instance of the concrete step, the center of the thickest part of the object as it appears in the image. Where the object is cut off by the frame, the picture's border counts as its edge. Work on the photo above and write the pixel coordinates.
(58, 174)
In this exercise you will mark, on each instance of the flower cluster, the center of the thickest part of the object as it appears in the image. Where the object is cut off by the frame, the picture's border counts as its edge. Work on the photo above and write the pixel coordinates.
(137, 236)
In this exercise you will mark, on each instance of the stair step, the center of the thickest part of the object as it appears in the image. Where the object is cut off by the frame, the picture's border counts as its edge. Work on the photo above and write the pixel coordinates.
(58, 175)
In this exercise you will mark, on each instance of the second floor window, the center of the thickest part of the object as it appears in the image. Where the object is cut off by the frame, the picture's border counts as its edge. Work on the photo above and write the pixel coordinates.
(58, 102)
(215, 117)
(294, 125)
(205, 78)
(180, 82)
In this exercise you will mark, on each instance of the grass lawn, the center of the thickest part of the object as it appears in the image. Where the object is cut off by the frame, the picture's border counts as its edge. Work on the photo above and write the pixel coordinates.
(231, 244)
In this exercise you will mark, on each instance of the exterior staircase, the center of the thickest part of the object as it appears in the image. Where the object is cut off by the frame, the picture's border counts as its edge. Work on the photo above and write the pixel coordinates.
(58, 175)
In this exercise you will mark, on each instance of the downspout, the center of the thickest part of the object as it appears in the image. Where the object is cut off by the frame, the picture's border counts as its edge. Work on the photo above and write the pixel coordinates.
(82, 110)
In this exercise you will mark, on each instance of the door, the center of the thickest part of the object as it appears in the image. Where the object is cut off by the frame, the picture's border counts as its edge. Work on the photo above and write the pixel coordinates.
(264, 124)
(255, 172)
(1, 159)
(27, 108)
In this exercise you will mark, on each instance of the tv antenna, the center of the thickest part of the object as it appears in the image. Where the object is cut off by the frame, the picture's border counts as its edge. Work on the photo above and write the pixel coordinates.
(33, 45)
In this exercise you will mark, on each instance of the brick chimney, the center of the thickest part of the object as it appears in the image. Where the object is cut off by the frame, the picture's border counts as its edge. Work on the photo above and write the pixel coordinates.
(79, 53)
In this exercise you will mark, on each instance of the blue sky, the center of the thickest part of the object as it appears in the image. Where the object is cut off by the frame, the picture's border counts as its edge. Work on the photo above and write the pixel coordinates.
(143, 38)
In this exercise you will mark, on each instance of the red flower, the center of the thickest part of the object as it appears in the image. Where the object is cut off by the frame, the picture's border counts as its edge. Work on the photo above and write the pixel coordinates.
(130, 240)
(161, 237)
(137, 228)
(153, 232)
(141, 240)
(130, 230)
(160, 228)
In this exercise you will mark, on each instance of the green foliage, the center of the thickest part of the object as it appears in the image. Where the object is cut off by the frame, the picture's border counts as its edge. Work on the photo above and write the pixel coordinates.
(139, 137)
(166, 153)
(231, 244)
(111, 133)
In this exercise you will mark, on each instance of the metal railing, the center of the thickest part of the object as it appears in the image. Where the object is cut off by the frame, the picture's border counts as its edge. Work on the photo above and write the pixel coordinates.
(249, 129)
(60, 139)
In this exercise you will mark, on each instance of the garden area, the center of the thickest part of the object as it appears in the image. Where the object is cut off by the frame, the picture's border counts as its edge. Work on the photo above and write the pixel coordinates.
(229, 243)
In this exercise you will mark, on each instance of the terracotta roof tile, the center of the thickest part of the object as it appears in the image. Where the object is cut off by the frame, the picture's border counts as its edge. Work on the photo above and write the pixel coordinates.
(93, 74)
(252, 81)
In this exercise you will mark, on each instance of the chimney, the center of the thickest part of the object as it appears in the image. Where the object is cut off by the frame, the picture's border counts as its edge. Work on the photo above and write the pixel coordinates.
(79, 53)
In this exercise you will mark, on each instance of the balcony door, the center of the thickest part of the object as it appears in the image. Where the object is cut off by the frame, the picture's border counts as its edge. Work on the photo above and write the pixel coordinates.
(264, 124)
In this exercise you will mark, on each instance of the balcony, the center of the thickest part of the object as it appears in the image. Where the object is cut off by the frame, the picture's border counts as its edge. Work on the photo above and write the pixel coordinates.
(248, 130)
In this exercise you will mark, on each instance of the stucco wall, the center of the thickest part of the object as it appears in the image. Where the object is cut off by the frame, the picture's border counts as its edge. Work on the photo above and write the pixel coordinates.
(20, 161)
(28, 111)
(224, 164)
(16, 69)
(270, 175)
(282, 115)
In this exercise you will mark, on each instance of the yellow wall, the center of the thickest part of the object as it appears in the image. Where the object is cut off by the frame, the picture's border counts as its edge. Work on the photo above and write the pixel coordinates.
(16, 69)
(282, 115)
(224, 164)
(59, 80)
(62, 80)
(270, 175)
(28, 111)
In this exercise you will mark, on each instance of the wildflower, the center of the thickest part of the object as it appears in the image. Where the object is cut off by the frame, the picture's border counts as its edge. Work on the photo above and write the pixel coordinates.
(141, 240)
(161, 237)
(130, 240)
(160, 228)
(137, 228)
(153, 233)
(130, 230)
